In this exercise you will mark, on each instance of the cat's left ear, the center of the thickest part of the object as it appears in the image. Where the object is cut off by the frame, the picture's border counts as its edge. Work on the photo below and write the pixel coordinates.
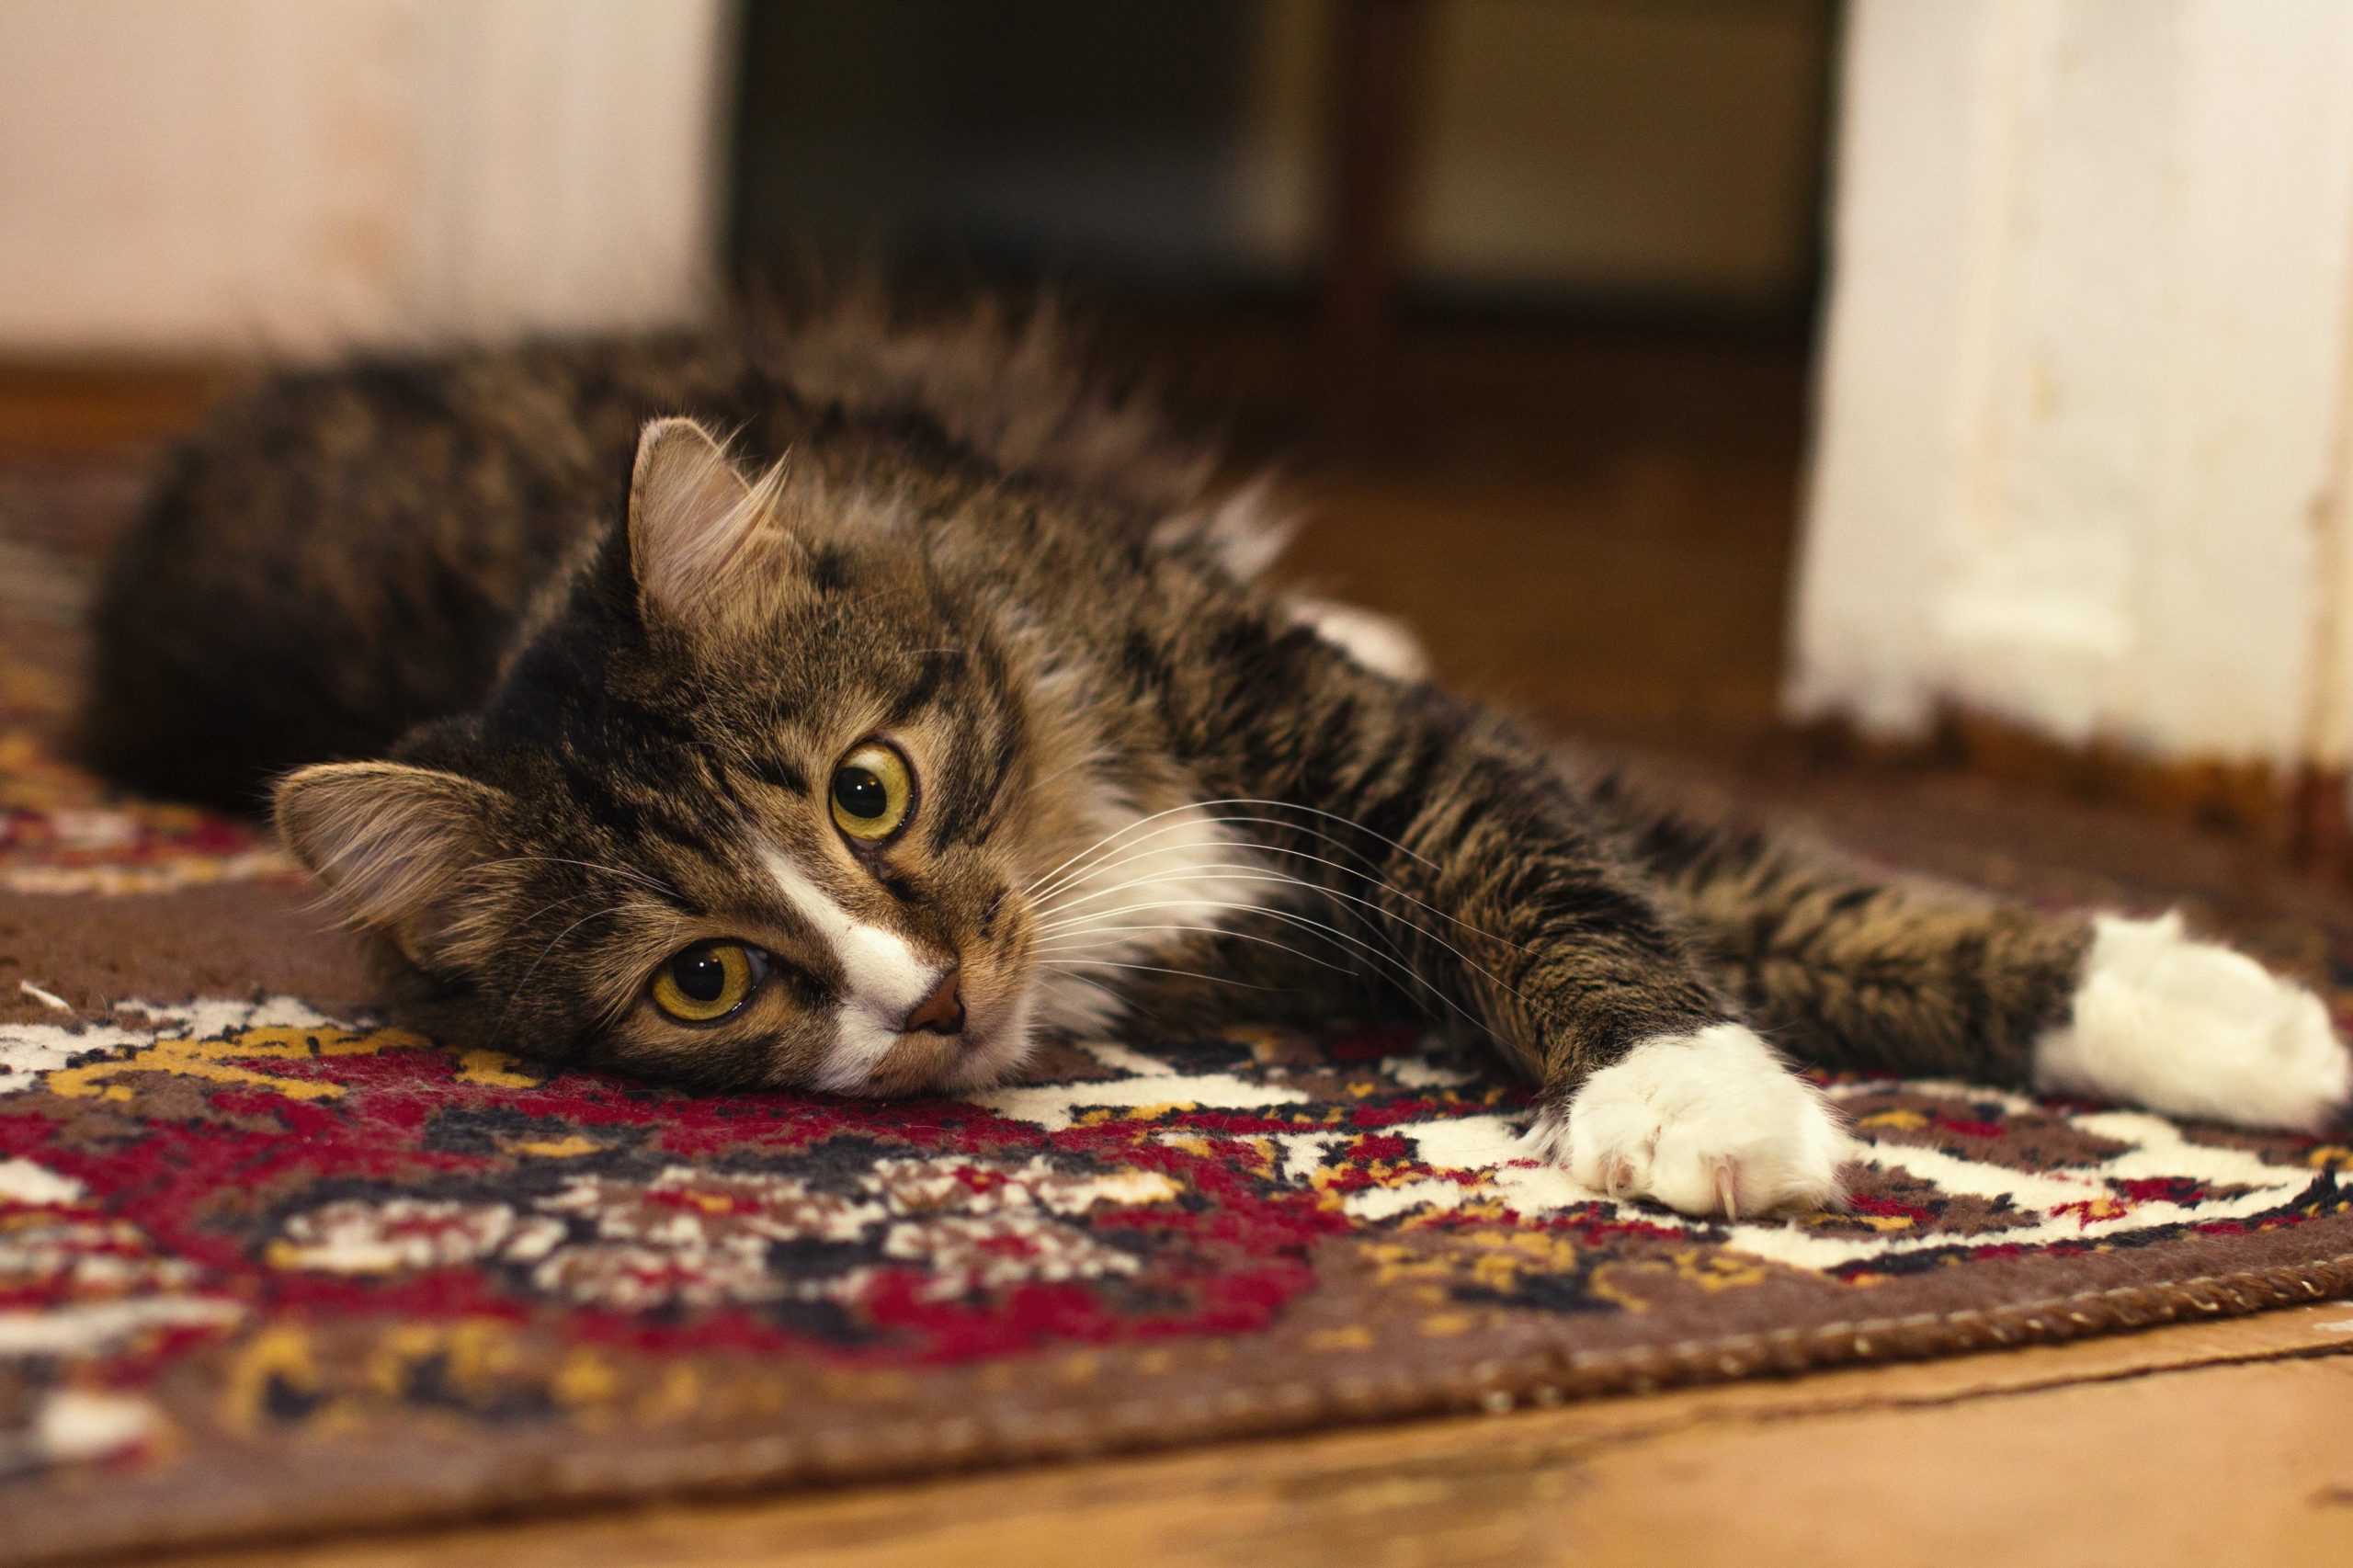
(693, 516)
(399, 845)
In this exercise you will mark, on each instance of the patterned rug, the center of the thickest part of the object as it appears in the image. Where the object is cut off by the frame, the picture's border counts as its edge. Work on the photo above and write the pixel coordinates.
(267, 1264)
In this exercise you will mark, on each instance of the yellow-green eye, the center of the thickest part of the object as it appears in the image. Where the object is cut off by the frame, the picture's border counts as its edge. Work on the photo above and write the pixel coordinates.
(872, 791)
(705, 981)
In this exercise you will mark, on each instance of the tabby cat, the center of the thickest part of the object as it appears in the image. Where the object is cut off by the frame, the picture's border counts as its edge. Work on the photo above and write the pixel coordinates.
(841, 705)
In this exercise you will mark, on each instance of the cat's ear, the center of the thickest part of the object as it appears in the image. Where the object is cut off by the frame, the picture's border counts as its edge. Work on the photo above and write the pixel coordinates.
(692, 516)
(395, 844)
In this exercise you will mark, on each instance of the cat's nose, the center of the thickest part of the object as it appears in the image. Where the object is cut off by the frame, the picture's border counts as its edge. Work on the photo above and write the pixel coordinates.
(942, 1012)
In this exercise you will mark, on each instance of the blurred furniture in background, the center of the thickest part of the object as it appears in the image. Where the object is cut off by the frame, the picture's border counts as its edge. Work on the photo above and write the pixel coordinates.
(237, 175)
(2085, 408)
(1559, 152)
(1379, 71)
(1514, 153)
(1574, 370)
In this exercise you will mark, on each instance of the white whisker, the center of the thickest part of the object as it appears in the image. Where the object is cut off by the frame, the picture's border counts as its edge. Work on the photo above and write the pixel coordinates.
(1247, 874)
(1157, 968)
(1202, 931)
(1130, 853)
(1065, 894)
(516, 995)
(1187, 873)
(1120, 1000)
(1043, 885)
(1328, 932)
(1380, 882)
(1391, 958)
(1038, 888)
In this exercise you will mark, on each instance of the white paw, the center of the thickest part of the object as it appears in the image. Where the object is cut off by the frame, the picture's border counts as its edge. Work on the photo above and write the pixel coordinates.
(1707, 1123)
(2193, 1030)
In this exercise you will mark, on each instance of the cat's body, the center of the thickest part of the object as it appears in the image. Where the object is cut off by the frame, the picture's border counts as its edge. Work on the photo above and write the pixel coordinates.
(345, 553)
(968, 720)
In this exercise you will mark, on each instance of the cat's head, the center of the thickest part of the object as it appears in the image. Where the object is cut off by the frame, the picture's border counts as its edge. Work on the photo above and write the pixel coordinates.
(764, 797)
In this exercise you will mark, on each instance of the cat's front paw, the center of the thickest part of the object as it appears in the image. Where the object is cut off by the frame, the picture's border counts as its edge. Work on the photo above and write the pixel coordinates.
(2192, 1028)
(1706, 1123)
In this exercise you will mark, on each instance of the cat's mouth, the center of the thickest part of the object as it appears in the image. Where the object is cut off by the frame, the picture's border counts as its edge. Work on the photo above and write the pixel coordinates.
(915, 1063)
(973, 1028)
(991, 1048)
(991, 1043)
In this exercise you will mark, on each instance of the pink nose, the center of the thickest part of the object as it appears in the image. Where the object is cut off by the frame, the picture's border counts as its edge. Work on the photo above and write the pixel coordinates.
(942, 1012)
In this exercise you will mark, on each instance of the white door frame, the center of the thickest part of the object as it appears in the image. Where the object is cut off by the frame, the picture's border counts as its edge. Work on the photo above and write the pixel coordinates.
(2082, 426)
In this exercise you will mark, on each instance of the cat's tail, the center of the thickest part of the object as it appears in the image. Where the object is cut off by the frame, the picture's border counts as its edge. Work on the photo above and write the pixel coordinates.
(1847, 969)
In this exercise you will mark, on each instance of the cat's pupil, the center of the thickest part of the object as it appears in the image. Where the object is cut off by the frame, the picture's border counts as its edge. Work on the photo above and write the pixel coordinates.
(699, 975)
(860, 793)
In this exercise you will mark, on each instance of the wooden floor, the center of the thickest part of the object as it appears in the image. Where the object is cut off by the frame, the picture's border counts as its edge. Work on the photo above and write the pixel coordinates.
(1594, 524)
(2210, 1443)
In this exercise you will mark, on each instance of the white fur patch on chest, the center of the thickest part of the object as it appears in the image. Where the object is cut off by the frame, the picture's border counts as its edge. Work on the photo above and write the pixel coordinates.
(882, 978)
(1115, 911)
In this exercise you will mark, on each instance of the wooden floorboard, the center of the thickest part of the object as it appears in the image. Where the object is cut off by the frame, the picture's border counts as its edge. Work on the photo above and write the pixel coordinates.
(2207, 1443)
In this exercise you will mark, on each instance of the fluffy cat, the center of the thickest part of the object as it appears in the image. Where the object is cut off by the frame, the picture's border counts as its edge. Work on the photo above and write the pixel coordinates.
(840, 705)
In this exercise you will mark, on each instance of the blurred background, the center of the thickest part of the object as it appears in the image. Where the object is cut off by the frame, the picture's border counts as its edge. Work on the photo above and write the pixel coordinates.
(1518, 290)
(1966, 381)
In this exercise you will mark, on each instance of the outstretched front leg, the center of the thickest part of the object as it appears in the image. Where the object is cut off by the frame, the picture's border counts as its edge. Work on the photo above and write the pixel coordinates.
(1442, 844)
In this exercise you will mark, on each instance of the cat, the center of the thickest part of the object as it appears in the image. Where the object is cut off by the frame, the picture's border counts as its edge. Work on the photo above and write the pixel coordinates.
(844, 703)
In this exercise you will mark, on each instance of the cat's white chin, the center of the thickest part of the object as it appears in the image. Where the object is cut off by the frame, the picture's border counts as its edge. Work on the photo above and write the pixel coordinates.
(1710, 1123)
(993, 1055)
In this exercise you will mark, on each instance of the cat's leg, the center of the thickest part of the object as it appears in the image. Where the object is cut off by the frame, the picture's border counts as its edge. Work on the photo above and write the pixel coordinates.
(1850, 970)
(1479, 883)
(1707, 1119)
(1651, 1082)
(1492, 893)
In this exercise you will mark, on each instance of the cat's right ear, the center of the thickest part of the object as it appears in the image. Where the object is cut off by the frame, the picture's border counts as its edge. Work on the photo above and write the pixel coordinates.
(395, 844)
(692, 517)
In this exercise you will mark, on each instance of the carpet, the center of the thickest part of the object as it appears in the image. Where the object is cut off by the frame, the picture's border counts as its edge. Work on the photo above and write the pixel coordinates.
(268, 1265)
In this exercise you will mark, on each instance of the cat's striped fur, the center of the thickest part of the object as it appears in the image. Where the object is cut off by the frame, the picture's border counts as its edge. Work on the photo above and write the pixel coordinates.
(614, 677)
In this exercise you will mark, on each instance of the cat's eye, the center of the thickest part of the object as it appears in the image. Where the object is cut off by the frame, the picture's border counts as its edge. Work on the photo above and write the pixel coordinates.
(871, 793)
(707, 981)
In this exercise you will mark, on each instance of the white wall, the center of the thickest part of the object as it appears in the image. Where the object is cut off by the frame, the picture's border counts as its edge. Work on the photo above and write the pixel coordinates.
(2084, 421)
(208, 174)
